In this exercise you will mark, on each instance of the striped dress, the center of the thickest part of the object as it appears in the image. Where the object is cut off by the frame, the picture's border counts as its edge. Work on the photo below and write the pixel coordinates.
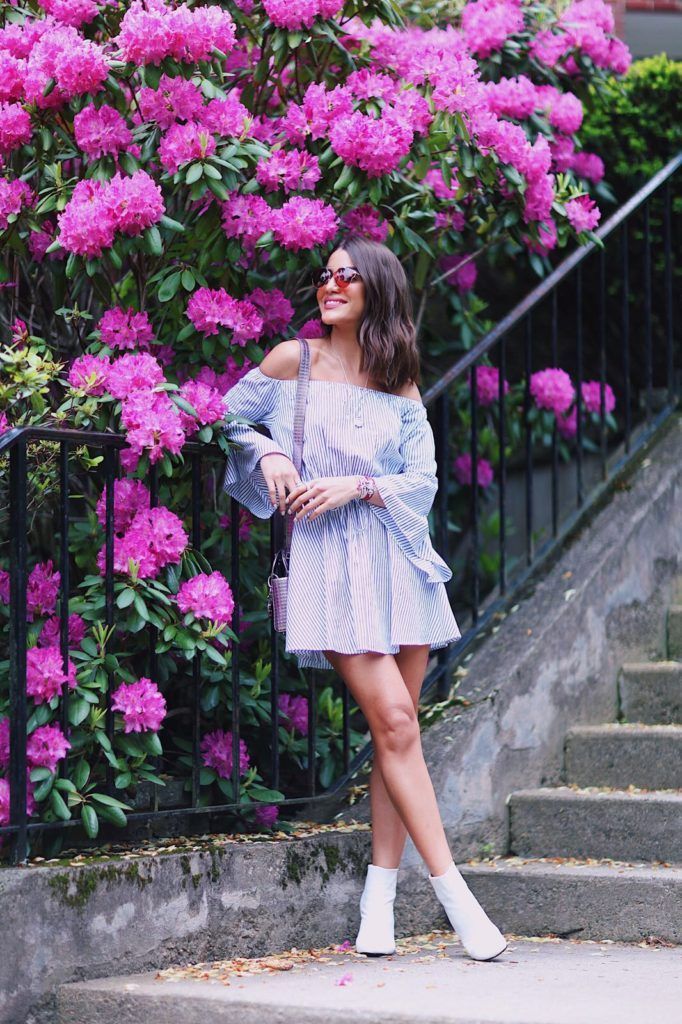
(361, 577)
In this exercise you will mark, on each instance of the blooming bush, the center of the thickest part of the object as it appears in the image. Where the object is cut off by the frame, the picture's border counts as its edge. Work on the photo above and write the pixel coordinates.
(168, 173)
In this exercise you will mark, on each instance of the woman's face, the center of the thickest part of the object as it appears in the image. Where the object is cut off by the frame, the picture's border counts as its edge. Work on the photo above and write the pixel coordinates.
(341, 306)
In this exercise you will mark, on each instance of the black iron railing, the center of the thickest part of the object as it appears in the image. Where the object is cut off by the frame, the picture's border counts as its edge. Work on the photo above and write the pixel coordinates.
(616, 322)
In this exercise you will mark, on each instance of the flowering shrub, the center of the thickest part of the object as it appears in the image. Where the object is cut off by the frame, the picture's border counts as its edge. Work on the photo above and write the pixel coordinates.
(168, 173)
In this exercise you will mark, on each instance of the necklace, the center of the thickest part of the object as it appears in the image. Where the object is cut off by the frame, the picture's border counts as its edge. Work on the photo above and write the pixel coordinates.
(357, 419)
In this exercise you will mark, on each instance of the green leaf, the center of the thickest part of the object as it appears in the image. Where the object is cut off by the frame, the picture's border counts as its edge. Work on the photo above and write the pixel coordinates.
(81, 774)
(123, 780)
(188, 281)
(193, 173)
(153, 243)
(172, 225)
(114, 815)
(169, 287)
(90, 821)
(44, 789)
(151, 743)
(109, 801)
(58, 806)
(261, 793)
(79, 709)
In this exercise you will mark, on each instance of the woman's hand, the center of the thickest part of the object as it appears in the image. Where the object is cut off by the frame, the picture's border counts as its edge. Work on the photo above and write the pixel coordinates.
(320, 495)
(280, 474)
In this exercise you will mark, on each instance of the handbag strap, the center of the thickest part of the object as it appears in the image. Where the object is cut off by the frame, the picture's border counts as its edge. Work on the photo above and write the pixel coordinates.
(299, 419)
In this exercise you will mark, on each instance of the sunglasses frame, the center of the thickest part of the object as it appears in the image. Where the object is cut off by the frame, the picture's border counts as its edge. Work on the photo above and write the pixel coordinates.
(341, 283)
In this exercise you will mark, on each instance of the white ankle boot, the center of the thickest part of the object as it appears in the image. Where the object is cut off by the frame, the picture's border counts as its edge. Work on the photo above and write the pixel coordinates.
(376, 933)
(479, 936)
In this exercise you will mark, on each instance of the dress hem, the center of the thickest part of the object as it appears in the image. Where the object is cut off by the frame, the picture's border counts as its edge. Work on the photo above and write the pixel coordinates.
(314, 657)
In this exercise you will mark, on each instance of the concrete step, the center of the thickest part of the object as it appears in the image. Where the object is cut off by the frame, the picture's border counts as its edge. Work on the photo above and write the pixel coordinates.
(651, 692)
(675, 632)
(626, 824)
(624, 901)
(622, 755)
(430, 979)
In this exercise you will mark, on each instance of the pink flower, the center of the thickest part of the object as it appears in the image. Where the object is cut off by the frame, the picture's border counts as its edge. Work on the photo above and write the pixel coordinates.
(175, 99)
(488, 384)
(46, 746)
(5, 800)
(155, 538)
(134, 202)
(129, 497)
(4, 742)
(151, 31)
(13, 196)
(487, 25)
(312, 329)
(210, 308)
(293, 171)
(375, 145)
(345, 979)
(88, 374)
(184, 142)
(76, 65)
(206, 401)
(246, 217)
(463, 471)
(125, 329)
(304, 223)
(568, 424)
(133, 372)
(142, 704)
(15, 127)
(583, 213)
(153, 423)
(274, 308)
(460, 273)
(552, 389)
(71, 12)
(207, 596)
(291, 14)
(588, 165)
(101, 130)
(4, 586)
(86, 225)
(217, 747)
(295, 710)
(42, 590)
(366, 220)
(226, 116)
(51, 632)
(566, 113)
(45, 677)
(245, 520)
(590, 392)
(266, 814)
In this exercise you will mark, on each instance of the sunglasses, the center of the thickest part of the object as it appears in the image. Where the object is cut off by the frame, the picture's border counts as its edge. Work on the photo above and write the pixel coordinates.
(342, 275)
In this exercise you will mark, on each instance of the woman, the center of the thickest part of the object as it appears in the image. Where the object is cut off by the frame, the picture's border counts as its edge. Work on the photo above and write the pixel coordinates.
(366, 592)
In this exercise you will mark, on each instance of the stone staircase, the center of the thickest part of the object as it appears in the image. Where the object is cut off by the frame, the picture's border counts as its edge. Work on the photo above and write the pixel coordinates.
(597, 858)
(601, 856)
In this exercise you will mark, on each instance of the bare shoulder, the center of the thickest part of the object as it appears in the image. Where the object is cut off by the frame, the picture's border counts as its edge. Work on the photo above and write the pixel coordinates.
(282, 361)
(410, 390)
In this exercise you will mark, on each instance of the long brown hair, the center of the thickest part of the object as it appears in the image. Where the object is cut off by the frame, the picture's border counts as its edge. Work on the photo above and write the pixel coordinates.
(386, 332)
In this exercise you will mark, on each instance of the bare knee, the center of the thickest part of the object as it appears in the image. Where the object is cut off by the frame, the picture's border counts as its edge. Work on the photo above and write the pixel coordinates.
(396, 728)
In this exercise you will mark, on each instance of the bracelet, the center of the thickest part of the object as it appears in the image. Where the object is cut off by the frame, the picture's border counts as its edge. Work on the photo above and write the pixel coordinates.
(366, 487)
(273, 453)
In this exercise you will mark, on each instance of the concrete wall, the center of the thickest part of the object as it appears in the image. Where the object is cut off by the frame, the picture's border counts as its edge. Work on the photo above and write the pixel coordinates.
(551, 664)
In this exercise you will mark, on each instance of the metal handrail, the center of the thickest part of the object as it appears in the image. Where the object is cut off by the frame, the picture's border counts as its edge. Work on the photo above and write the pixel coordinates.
(548, 285)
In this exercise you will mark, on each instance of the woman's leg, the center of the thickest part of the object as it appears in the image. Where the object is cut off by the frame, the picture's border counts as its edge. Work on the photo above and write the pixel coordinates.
(377, 686)
(388, 832)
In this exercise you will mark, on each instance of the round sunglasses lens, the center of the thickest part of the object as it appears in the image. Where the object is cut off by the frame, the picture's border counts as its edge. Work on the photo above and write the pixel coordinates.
(320, 277)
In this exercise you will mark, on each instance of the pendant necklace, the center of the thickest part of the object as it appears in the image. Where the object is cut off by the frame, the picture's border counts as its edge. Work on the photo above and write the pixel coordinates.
(357, 419)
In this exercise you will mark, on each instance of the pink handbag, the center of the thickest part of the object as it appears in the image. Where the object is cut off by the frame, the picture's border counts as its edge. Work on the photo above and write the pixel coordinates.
(278, 584)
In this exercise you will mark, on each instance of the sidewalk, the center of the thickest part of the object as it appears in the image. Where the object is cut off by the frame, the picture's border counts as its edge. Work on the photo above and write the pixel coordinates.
(430, 980)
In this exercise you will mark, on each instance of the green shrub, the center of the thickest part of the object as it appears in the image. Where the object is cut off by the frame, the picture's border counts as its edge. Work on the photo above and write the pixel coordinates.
(634, 123)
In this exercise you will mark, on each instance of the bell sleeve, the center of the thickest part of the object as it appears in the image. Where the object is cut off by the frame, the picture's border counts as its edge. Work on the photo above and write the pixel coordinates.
(253, 397)
(408, 495)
